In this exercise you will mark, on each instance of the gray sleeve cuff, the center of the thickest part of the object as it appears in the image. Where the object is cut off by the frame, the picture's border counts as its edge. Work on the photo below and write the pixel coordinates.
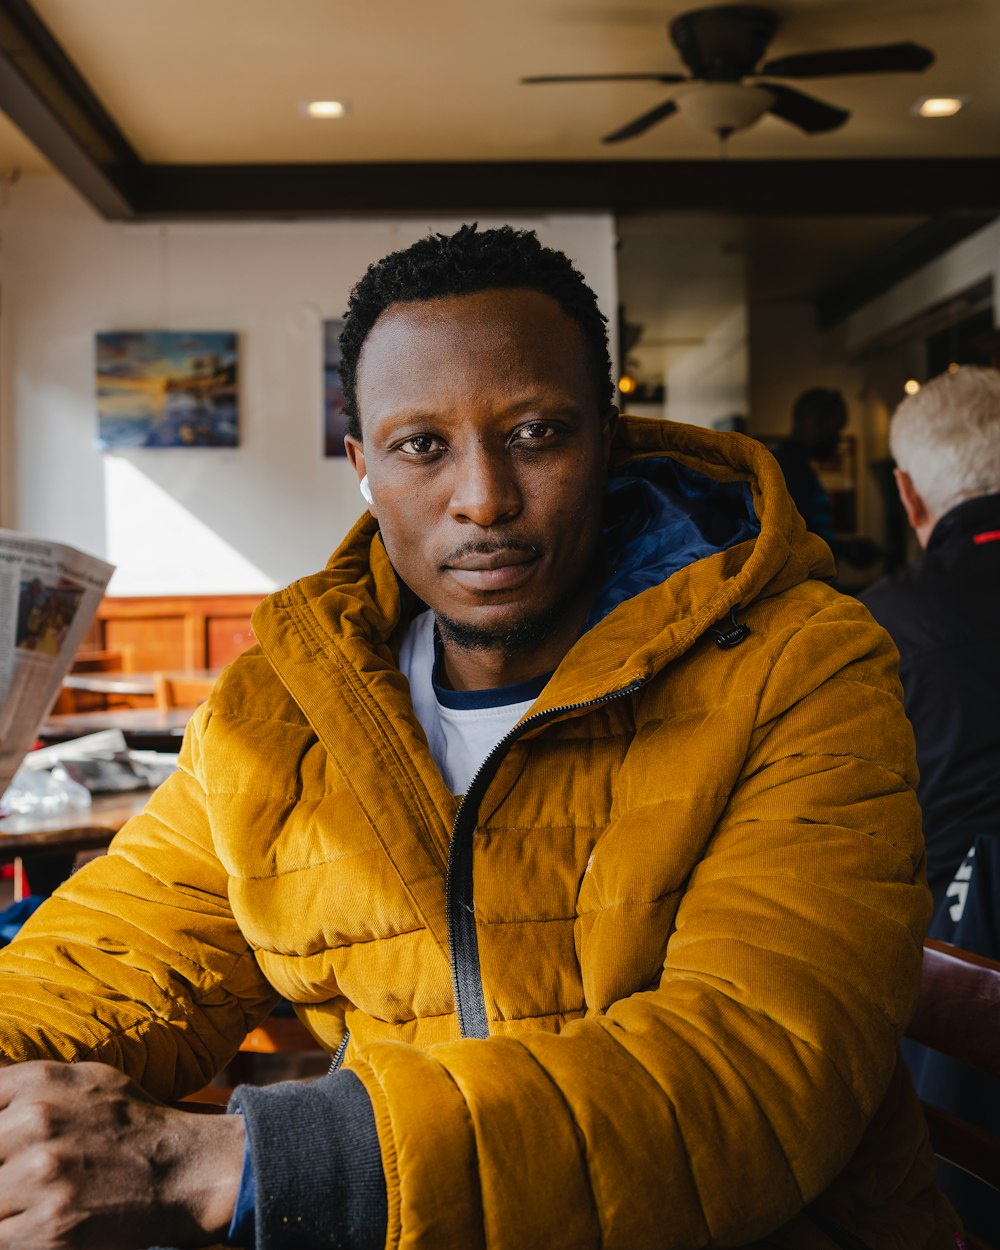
(317, 1166)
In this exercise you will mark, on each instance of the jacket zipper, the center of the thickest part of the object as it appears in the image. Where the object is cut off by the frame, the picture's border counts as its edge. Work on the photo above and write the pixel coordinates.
(338, 1054)
(463, 941)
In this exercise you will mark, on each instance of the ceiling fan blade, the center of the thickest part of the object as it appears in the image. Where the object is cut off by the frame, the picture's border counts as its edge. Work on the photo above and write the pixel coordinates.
(804, 111)
(643, 123)
(666, 78)
(888, 58)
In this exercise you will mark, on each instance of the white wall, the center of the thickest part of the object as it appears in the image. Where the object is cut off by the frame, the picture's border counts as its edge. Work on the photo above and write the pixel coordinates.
(203, 520)
(959, 268)
(788, 355)
(712, 380)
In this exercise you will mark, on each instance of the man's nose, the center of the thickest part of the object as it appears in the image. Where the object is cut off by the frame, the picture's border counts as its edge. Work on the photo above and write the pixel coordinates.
(485, 489)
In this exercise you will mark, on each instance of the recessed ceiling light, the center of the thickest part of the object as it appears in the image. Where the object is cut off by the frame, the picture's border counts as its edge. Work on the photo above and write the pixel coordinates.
(325, 109)
(939, 105)
(911, 386)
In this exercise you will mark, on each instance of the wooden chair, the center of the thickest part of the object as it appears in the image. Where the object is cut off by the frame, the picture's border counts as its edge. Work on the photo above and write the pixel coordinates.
(278, 1034)
(958, 1014)
(174, 692)
(118, 660)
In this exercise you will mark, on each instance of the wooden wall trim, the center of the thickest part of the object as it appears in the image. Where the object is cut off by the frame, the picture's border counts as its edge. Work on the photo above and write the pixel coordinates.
(137, 607)
(174, 632)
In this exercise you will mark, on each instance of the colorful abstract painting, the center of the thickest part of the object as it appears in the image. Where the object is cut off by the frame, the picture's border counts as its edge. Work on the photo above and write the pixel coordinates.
(164, 388)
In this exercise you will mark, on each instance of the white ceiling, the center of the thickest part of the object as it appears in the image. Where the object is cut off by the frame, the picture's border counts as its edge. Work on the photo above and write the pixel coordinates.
(221, 80)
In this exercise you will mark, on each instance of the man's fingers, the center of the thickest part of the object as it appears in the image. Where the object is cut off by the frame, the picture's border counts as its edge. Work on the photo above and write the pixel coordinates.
(16, 1233)
(14, 1199)
(26, 1121)
(9, 1083)
(19, 1078)
(89, 1162)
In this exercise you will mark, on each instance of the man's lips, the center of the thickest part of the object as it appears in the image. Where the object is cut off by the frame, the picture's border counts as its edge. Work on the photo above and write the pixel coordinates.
(498, 568)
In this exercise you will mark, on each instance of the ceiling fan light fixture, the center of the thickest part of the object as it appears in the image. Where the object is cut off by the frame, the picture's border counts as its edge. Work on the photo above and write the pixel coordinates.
(324, 110)
(939, 106)
(723, 107)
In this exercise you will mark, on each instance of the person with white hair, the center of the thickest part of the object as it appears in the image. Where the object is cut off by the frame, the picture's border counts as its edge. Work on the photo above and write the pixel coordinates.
(943, 611)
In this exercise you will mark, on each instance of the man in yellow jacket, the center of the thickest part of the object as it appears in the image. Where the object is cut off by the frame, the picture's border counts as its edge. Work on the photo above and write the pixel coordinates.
(569, 806)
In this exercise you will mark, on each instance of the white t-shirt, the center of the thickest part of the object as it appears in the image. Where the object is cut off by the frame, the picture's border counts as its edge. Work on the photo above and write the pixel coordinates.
(462, 727)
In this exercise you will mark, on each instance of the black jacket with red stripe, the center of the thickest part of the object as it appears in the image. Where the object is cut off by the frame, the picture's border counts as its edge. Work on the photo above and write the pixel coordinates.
(943, 613)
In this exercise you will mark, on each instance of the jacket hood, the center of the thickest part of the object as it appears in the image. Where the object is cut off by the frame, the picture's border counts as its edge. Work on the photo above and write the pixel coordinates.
(660, 517)
(754, 543)
(698, 525)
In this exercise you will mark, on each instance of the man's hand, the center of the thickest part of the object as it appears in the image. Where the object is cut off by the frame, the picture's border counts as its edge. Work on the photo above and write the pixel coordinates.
(88, 1161)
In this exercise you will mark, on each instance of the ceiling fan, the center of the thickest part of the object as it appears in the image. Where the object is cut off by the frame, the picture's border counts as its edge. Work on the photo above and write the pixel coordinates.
(722, 46)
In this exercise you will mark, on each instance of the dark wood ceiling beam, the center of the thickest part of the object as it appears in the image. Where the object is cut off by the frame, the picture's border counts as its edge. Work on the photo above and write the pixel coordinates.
(43, 93)
(794, 187)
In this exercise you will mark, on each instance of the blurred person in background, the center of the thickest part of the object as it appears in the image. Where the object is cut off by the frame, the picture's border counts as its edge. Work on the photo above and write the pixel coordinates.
(943, 611)
(819, 418)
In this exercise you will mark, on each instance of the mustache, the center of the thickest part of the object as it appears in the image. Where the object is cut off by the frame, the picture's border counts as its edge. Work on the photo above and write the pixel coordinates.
(484, 548)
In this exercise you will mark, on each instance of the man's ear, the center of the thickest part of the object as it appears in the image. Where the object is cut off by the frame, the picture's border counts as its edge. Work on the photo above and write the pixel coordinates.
(917, 512)
(356, 454)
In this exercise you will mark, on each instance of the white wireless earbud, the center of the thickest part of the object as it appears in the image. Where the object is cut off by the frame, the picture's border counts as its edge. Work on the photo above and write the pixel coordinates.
(366, 490)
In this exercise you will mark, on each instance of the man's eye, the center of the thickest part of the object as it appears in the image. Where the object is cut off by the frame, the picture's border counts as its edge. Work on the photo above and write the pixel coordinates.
(534, 432)
(419, 445)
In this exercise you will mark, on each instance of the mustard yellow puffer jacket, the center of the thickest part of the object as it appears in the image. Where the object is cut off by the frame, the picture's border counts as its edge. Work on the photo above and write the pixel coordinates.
(698, 910)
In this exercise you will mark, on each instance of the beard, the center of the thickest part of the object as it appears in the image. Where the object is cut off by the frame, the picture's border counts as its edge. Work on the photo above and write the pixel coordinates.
(515, 635)
(511, 637)
(525, 629)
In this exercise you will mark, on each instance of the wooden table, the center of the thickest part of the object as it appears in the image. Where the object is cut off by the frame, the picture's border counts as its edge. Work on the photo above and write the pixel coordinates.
(121, 683)
(49, 844)
(148, 727)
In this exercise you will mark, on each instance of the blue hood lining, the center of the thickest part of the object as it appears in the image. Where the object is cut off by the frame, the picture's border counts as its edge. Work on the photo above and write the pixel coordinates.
(659, 517)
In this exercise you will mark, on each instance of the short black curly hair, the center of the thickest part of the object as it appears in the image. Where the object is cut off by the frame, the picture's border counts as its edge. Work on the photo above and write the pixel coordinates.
(462, 263)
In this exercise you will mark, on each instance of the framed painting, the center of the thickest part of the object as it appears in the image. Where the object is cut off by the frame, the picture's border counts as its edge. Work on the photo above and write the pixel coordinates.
(165, 388)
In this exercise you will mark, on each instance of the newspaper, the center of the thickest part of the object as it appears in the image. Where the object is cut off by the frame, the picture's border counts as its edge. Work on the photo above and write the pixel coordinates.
(49, 594)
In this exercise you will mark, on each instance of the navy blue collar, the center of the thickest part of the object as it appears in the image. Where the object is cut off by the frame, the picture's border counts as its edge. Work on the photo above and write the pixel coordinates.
(474, 700)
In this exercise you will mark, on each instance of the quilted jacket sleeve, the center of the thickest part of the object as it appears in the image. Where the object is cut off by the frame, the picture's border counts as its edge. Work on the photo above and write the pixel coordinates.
(136, 960)
(711, 1108)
